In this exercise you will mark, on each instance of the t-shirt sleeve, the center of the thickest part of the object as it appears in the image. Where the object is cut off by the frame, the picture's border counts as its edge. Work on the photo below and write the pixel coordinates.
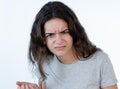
(108, 77)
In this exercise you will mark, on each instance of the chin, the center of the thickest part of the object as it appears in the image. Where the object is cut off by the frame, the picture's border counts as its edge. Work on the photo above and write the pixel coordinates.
(60, 55)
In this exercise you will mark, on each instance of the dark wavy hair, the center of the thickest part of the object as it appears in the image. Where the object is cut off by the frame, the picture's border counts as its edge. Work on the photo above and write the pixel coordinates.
(38, 51)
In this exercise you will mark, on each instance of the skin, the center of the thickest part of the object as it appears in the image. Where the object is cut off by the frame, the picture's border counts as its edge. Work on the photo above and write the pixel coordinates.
(60, 43)
(28, 85)
(111, 87)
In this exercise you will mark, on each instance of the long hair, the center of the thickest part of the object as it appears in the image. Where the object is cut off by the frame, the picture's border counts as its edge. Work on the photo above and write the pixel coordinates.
(38, 51)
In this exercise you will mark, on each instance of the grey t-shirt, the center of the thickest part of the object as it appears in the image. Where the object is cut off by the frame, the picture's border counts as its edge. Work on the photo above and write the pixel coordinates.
(95, 73)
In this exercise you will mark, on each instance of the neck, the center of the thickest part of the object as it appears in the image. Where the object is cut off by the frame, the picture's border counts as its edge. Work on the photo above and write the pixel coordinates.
(67, 59)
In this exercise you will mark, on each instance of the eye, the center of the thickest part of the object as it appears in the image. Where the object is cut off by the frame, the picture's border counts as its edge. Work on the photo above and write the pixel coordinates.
(49, 35)
(65, 31)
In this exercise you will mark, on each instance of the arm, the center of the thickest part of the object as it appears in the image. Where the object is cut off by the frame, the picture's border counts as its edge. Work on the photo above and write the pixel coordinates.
(111, 87)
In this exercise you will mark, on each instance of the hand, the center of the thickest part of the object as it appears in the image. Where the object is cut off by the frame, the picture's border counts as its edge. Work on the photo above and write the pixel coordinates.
(27, 85)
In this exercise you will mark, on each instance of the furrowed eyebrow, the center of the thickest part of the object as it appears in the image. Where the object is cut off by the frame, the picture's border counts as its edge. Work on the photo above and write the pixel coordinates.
(66, 30)
(50, 33)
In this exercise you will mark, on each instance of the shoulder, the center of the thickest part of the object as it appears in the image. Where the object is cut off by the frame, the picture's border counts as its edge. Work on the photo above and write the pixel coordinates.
(100, 56)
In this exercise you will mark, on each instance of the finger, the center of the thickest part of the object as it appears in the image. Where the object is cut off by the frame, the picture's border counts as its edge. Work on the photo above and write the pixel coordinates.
(22, 86)
(18, 83)
(35, 86)
(21, 83)
(40, 84)
(30, 86)
(18, 87)
(26, 86)
(43, 85)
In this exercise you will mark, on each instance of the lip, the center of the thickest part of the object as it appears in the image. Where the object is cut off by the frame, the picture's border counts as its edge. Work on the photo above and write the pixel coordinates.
(59, 47)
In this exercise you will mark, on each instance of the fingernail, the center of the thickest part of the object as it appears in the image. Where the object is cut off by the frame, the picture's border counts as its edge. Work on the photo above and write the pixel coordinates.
(18, 87)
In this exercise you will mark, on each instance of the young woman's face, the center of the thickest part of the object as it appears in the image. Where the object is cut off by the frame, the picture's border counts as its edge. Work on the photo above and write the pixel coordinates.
(58, 39)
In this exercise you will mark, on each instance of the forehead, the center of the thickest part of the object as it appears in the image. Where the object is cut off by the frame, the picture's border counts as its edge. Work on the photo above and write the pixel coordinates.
(55, 24)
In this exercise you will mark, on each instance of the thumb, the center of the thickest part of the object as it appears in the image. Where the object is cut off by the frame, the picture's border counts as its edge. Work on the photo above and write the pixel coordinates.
(42, 85)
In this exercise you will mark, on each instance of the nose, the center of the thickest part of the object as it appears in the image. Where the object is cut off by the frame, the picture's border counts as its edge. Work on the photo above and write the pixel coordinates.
(58, 39)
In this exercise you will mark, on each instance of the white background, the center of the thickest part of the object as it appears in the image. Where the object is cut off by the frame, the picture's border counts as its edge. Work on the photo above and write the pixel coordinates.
(100, 18)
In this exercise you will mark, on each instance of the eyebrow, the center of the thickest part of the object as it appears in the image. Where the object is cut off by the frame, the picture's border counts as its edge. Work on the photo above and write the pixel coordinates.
(60, 32)
(65, 30)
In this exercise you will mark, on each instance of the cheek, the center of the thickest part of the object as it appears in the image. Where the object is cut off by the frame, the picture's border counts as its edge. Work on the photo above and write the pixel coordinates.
(70, 40)
(71, 43)
(49, 44)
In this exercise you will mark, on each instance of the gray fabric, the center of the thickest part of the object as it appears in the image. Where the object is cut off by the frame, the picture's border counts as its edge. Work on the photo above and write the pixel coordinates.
(95, 73)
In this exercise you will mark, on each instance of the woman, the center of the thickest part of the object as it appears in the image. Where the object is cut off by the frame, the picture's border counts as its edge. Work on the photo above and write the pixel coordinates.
(63, 55)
